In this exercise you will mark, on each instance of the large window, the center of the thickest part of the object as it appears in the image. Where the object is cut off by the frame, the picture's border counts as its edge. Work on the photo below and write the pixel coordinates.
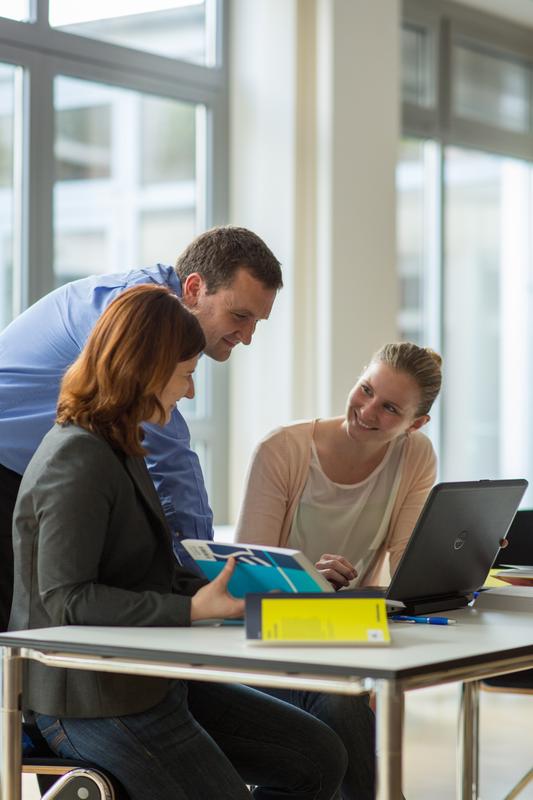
(112, 156)
(465, 214)
(9, 190)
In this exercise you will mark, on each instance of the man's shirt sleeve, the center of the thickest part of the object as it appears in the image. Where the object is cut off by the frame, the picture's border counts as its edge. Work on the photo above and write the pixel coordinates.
(177, 475)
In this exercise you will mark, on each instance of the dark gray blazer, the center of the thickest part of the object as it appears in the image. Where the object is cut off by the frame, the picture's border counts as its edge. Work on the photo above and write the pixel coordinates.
(92, 547)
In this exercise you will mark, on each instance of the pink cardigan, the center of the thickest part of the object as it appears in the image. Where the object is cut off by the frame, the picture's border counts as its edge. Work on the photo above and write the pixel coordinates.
(277, 476)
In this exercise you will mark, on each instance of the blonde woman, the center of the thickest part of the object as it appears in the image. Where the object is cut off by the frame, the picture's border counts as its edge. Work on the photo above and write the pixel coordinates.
(347, 491)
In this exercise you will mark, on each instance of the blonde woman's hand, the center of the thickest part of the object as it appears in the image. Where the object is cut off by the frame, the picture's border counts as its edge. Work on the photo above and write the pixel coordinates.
(336, 569)
(214, 600)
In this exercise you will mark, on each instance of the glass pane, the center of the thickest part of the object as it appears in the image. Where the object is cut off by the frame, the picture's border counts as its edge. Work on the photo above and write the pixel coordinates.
(417, 221)
(165, 159)
(173, 28)
(417, 226)
(488, 386)
(491, 89)
(9, 300)
(83, 142)
(15, 9)
(163, 234)
(126, 192)
(197, 407)
(417, 67)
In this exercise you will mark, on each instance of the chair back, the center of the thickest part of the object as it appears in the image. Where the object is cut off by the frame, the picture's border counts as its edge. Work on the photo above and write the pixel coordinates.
(519, 551)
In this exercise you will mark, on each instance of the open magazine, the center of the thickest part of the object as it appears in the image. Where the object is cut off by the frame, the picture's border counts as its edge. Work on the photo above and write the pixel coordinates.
(258, 568)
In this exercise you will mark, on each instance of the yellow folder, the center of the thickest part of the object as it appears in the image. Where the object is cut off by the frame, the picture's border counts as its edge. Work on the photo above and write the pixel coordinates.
(318, 620)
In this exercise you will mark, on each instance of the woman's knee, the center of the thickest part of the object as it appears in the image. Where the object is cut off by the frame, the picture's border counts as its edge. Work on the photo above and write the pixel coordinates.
(325, 749)
(343, 712)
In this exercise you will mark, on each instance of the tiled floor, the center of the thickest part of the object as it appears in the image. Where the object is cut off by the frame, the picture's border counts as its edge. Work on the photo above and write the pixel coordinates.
(506, 743)
(430, 728)
(29, 788)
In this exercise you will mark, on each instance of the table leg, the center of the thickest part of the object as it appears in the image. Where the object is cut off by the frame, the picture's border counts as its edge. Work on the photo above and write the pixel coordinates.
(11, 764)
(467, 744)
(389, 738)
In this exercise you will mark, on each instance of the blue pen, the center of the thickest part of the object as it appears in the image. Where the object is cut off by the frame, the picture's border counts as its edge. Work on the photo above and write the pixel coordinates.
(424, 620)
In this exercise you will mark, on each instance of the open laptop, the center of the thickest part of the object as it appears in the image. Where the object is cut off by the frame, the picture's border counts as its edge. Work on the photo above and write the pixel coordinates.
(454, 544)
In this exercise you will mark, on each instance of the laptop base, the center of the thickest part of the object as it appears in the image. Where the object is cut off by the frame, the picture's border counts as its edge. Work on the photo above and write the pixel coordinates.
(430, 605)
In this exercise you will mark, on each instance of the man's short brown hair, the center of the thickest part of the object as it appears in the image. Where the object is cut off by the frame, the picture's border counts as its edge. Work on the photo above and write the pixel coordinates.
(218, 253)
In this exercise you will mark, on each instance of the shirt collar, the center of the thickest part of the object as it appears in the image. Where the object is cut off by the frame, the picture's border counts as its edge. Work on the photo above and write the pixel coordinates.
(170, 277)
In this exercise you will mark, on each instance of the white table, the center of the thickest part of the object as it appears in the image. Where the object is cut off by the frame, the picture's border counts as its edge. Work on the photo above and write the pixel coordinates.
(493, 638)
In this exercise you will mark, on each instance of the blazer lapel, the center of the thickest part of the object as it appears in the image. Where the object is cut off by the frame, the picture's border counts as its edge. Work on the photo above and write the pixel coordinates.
(146, 489)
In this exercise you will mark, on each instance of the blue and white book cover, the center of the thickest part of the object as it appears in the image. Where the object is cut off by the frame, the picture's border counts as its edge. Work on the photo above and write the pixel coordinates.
(258, 569)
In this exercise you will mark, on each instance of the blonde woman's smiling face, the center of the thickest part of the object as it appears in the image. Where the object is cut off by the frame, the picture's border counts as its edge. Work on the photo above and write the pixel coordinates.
(382, 405)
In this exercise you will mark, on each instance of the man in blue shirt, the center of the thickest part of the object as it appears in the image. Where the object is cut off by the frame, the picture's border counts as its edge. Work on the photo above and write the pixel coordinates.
(227, 276)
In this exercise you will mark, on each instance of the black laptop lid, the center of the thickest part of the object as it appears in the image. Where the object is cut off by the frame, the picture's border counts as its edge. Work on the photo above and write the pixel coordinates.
(520, 537)
(454, 543)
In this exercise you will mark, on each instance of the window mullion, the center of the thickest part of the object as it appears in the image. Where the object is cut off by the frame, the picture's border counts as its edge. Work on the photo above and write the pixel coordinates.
(39, 181)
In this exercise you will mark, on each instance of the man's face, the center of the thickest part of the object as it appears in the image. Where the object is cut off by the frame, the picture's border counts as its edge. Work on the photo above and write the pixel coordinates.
(229, 316)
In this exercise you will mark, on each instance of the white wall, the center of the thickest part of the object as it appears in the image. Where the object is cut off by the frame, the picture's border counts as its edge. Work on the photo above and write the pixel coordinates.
(262, 120)
(314, 128)
(358, 134)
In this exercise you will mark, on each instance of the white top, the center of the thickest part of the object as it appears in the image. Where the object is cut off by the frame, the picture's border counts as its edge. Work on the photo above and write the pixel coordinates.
(348, 520)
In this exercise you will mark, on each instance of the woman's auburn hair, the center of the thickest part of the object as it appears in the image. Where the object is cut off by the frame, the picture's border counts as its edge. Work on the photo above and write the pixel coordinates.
(127, 360)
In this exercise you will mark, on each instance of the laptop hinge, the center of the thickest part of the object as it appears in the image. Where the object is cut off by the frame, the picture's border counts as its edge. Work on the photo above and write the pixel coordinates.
(430, 605)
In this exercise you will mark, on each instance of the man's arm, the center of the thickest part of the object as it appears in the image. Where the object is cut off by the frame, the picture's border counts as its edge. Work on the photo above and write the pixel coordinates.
(177, 475)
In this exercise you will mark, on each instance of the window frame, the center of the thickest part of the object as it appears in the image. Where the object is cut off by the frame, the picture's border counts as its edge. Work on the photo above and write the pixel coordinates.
(449, 23)
(45, 53)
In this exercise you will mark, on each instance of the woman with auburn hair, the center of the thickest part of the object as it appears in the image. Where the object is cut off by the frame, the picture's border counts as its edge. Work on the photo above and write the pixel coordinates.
(92, 547)
(347, 492)
(128, 372)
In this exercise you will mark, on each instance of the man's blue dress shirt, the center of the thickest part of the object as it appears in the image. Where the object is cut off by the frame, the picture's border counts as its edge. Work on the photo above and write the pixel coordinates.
(35, 351)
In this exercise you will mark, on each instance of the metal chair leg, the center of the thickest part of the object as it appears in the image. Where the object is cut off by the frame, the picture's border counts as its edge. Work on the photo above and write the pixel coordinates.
(467, 743)
(515, 791)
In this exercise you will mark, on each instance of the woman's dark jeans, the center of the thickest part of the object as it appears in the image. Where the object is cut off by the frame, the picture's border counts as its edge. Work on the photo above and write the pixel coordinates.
(352, 719)
(206, 742)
